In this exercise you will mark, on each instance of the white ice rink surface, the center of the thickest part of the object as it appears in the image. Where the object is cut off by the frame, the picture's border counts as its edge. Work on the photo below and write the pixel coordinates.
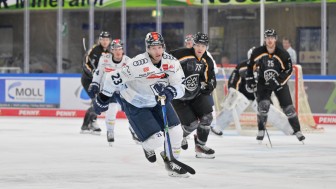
(50, 153)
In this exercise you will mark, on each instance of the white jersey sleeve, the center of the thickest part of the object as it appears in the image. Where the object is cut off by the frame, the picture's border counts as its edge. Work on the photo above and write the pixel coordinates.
(137, 78)
(99, 72)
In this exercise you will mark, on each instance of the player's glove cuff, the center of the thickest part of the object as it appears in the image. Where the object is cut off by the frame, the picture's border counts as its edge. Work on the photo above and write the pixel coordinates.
(99, 105)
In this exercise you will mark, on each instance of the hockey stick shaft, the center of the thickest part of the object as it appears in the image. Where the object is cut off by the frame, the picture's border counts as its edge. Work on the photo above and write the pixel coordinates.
(269, 139)
(84, 46)
(168, 148)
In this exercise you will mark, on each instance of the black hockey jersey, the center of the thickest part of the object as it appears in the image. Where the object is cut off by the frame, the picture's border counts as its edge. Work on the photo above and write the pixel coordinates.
(195, 70)
(92, 59)
(237, 80)
(277, 65)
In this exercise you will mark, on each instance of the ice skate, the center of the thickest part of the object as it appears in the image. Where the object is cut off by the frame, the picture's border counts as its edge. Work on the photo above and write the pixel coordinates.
(203, 151)
(216, 131)
(110, 137)
(173, 169)
(150, 155)
(300, 136)
(184, 143)
(94, 128)
(260, 135)
(85, 129)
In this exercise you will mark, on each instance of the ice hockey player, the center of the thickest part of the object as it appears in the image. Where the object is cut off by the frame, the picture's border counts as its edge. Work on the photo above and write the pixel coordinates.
(188, 43)
(107, 63)
(274, 70)
(194, 108)
(240, 97)
(90, 124)
(144, 78)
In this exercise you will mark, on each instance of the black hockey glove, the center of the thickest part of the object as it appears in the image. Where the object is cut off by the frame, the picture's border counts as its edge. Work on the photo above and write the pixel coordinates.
(273, 84)
(99, 105)
(251, 83)
(93, 89)
(169, 92)
(207, 88)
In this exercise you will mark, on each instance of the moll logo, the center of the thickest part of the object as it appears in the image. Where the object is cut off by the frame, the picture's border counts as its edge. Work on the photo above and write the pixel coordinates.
(25, 91)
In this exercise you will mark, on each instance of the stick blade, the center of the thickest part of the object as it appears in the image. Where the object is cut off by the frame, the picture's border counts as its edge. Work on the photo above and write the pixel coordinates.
(184, 166)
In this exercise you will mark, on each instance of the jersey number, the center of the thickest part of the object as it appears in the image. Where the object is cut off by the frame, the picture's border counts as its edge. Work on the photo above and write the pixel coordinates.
(116, 79)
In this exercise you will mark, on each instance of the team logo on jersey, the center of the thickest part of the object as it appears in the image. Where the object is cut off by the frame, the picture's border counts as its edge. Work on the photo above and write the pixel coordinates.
(107, 69)
(269, 74)
(191, 82)
(157, 76)
(140, 62)
(146, 69)
(165, 67)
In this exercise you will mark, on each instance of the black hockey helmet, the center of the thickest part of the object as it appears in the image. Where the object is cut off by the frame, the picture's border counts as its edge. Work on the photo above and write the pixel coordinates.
(116, 44)
(270, 33)
(104, 34)
(201, 38)
(154, 39)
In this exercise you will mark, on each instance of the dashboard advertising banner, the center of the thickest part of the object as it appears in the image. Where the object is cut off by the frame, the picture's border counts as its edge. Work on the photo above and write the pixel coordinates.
(29, 92)
(73, 96)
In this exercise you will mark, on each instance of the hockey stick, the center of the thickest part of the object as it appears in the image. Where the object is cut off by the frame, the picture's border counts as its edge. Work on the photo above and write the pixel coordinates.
(168, 148)
(84, 46)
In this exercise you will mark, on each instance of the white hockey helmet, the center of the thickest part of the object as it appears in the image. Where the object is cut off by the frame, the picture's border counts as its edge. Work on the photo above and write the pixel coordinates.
(154, 39)
(116, 44)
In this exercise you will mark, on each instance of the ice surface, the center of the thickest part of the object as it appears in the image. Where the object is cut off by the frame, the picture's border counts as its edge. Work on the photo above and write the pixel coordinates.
(50, 153)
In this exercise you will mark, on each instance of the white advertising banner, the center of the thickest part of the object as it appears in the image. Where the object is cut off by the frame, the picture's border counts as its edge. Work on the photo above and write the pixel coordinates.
(25, 91)
(73, 95)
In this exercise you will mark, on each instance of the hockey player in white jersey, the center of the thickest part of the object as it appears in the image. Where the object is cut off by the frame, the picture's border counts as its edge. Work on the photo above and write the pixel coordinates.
(107, 63)
(144, 78)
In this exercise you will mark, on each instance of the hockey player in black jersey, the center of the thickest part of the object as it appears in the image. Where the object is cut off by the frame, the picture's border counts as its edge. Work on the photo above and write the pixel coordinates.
(90, 64)
(275, 68)
(194, 109)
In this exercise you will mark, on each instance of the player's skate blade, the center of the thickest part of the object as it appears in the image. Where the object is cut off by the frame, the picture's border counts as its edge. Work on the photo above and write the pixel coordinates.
(300, 136)
(110, 137)
(184, 143)
(85, 129)
(94, 127)
(150, 155)
(203, 151)
(260, 136)
(216, 131)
